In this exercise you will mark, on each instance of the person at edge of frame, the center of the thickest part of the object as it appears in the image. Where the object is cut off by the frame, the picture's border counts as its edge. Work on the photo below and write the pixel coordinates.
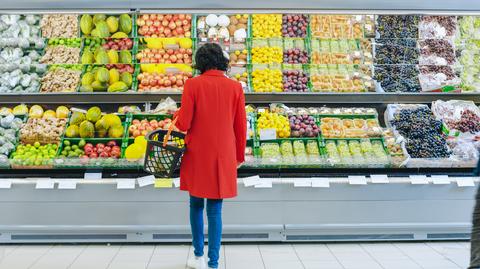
(475, 239)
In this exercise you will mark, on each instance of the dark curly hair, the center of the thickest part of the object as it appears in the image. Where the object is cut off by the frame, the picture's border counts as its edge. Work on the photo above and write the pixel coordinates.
(210, 56)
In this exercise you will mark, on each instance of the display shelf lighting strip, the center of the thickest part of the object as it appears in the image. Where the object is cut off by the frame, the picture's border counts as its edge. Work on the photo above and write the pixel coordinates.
(287, 181)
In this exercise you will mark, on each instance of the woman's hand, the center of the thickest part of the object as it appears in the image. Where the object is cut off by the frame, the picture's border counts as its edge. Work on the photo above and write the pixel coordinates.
(239, 164)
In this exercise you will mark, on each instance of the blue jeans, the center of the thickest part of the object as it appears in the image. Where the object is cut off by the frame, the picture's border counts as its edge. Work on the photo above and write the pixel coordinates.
(214, 215)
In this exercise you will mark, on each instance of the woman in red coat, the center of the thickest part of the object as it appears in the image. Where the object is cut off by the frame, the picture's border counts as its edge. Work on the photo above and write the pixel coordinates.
(213, 115)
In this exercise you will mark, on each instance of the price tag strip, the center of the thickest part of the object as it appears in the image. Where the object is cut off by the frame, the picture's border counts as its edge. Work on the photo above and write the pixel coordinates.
(5, 184)
(265, 183)
(302, 182)
(357, 180)
(163, 183)
(320, 183)
(45, 184)
(126, 184)
(251, 181)
(440, 179)
(67, 184)
(93, 176)
(419, 180)
(379, 179)
(465, 182)
(146, 180)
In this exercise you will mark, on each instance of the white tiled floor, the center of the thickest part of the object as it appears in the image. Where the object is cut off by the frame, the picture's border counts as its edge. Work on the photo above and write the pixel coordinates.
(448, 255)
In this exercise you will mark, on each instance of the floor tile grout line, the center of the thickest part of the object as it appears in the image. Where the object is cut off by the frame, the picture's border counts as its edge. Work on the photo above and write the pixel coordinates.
(151, 256)
(404, 253)
(428, 245)
(261, 256)
(6, 255)
(114, 256)
(76, 258)
(335, 256)
(225, 255)
(296, 253)
(37, 259)
(371, 256)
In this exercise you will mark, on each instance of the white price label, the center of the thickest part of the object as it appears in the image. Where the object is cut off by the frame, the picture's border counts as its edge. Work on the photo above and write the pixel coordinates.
(419, 180)
(146, 180)
(126, 184)
(379, 179)
(67, 184)
(465, 182)
(320, 183)
(302, 183)
(265, 183)
(440, 180)
(268, 134)
(5, 184)
(251, 181)
(357, 180)
(176, 182)
(93, 176)
(45, 184)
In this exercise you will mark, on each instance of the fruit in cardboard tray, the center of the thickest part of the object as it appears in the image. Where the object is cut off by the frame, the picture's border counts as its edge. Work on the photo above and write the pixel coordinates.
(223, 26)
(268, 120)
(34, 155)
(9, 125)
(35, 111)
(115, 131)
(122, 68)
(295, 56)
(267, 25)
(267, 54)
(270, 151)
(77, 118)
(423, 133)
(94, 114)
(174, 56)
(295, 81)
(118, 44)
(294, 25)
(143, 127)
(101, 26)
(156, 81)
(86, 151)
(238, 57)
(72, 131)
(267, 80)
(303, 126)
(165, 25)
(312, 148)
(20, 110)
(49, 114)
(47, 130)
(62, 112)
(86, 129)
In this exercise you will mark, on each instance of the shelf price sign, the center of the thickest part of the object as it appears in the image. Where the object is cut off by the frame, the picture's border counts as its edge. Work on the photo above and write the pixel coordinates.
(268, 134)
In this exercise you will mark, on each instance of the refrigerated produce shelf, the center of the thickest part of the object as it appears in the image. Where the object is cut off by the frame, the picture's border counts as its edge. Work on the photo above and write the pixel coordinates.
(254, 98)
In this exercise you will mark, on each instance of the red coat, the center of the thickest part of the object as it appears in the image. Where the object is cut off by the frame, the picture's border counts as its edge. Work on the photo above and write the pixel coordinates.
(213, 115)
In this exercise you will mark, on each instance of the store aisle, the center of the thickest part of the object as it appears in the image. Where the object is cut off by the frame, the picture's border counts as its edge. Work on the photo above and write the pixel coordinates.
(449, 255)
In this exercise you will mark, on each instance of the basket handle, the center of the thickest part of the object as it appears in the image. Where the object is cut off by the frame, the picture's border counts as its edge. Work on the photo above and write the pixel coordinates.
(169, 132)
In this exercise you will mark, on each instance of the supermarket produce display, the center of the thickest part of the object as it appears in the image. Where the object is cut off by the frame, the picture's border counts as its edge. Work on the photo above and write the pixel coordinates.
(345, 113)
(140, 53)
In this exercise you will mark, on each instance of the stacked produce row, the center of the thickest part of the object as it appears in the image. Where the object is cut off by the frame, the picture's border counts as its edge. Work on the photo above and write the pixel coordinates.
(41, 138)
(268, 52)
(416, 136)
(445, 135)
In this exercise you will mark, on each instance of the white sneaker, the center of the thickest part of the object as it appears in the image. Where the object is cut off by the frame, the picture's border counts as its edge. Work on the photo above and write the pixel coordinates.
(197, 263)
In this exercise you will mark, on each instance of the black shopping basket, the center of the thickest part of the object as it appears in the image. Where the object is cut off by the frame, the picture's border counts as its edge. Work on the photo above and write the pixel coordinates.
(165, 149)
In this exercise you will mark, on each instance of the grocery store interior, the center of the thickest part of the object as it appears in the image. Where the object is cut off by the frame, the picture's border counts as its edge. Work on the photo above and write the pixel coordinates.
(363, 132)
